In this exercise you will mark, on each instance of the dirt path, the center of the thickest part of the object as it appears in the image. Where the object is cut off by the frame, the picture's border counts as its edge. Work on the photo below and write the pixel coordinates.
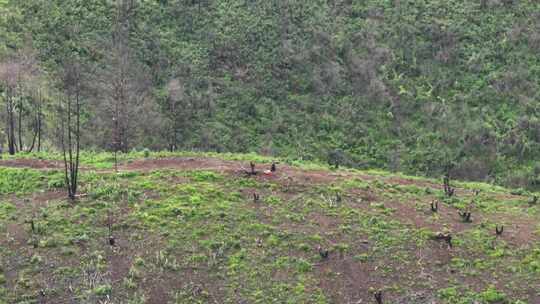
(32, 164)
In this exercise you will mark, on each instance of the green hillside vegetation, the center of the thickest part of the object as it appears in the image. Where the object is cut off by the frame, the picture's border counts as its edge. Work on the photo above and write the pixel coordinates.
(420, 87)
(406, 135)
(187, 229)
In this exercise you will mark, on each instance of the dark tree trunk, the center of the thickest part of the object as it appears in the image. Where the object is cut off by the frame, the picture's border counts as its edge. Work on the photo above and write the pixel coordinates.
(12, 147)
(19, 125)
(36, 125)
(31, 148)
(71, 150)
(39, 122)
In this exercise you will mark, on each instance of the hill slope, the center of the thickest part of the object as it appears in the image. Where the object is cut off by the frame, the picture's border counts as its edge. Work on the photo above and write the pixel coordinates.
(412, 86)
(187, 229)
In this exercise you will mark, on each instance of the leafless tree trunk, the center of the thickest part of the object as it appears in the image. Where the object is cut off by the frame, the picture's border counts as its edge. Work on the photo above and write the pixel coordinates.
(36, 123)
(120, 79)
(12, 146)
(125, 84)
(70, 122)
(39, 121)
(16, 74)
(19, 124)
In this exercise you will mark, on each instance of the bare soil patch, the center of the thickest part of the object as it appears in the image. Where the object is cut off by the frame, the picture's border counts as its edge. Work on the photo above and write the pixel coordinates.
(31, 163)
(182, 163)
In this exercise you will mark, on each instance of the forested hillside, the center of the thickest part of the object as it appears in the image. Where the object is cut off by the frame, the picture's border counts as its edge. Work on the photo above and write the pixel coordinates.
(410, 85)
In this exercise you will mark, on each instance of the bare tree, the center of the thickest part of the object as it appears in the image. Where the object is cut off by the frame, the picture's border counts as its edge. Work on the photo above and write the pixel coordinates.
(9, 76)
(175, 96)
(39, 119)
(10, 121)
(36, 117)
(17, 75)
(70, 124)
(124, 81)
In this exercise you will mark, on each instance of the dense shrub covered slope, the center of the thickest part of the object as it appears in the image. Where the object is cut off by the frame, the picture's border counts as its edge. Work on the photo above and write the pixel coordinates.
(415, 86)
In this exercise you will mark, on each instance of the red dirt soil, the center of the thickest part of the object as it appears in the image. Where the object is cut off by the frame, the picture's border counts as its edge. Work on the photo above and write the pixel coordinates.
(31, 163)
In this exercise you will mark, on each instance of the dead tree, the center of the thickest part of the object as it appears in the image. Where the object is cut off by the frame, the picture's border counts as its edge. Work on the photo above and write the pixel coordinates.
(39, 120)
(36, 122)
(116, 141)
(119, 75)
(122, 81)
(31, 112)
(20, 108)
(10, 122)
(17, 73)
(10, 76)
(70, 124)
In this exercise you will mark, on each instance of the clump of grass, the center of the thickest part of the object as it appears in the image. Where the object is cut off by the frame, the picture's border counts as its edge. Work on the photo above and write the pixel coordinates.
(23, 181)
(492, 296)
(103, 290)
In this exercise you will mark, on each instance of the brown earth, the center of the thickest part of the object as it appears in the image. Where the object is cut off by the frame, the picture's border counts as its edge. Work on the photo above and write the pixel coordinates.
(353, 277)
